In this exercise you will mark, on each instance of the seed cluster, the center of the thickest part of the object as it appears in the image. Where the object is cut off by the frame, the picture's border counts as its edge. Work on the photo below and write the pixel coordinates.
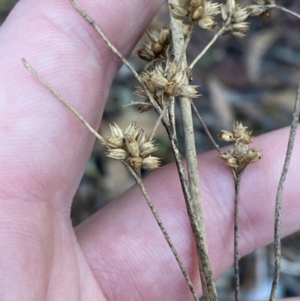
(132, 146)
(241, 155)
(233, 17)
(162, 76)
(201, 12)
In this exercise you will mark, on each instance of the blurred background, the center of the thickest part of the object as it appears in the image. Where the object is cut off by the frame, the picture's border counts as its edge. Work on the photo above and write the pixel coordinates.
(253, 80)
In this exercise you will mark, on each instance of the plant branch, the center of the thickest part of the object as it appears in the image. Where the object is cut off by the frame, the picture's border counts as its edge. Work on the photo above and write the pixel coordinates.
(285, 10)
(237, 179)
(117, 52)
(194, 207)
(163, 230)
(61, 99)
(158, 122)
(278, 207)
(199, 56)
(205, 127)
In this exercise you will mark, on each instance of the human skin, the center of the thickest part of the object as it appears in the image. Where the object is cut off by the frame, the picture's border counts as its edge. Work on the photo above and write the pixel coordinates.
(118, 253)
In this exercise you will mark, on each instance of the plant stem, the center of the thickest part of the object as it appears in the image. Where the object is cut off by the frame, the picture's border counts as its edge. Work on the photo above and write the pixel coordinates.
(285, 10)
(61, 99)
(199, 56)
(205, 127)
(236, 236)
(194, 206)
(163, 230)
(278, 206)
(117, 52)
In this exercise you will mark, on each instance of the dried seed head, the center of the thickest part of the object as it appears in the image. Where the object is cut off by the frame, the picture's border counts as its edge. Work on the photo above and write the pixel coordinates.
(207, 21)
(151, 163)
(188, 91)
(226, 136)
(178, 12)
(136, 163)
(174, 86)
(114, 142)
(117, 154)
(256, 10)
(159, 81)
(133, 146)
(157, 44)
(240, 149)
(254, 155)
(240, 156)
(233, 17)
(201, 12)
(147, 148)
(116, 131)
(229, 159)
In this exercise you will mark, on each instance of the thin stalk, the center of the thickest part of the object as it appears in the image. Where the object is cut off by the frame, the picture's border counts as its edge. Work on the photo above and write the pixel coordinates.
(163, 230)
(278, 206)
(236, 236)
(136, 103)
(194, 206)
(117, 52)
(61, 99)
(205, 127)
(199, 56)
(158, 122)
(285, 10)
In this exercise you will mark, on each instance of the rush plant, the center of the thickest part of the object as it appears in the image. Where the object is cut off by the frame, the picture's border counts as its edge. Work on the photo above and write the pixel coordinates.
(166, 82)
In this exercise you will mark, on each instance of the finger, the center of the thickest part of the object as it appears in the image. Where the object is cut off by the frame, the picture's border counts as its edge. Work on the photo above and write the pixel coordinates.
(123, 244)
(46, 144)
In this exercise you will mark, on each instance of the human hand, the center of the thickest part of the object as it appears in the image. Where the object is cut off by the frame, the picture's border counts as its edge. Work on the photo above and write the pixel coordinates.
(119, 253)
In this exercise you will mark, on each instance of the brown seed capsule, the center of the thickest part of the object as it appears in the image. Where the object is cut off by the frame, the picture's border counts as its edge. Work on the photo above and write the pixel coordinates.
(114, 142)
(178, 12)
(147, 148)
(151, 163)
(226, 136)
(132, 147)
(136, 162)
(117, 154)
(116, 131)
(254, 155)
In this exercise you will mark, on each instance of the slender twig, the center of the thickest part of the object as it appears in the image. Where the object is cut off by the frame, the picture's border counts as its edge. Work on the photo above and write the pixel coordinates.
(278, 207)
(194, 206)
(236, 235)
(117, 52)
(158, 121)
(199, 56)
(163, 230)
(205, 127)
(285, 10)
(61, 99)
(137, 103)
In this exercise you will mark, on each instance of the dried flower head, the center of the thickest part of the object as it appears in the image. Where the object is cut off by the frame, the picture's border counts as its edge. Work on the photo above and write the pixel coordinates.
(262, 8)
(201, 12)
(233, 17)
(157, 44)
(240, 156)
(172, 84)
(133, 146)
